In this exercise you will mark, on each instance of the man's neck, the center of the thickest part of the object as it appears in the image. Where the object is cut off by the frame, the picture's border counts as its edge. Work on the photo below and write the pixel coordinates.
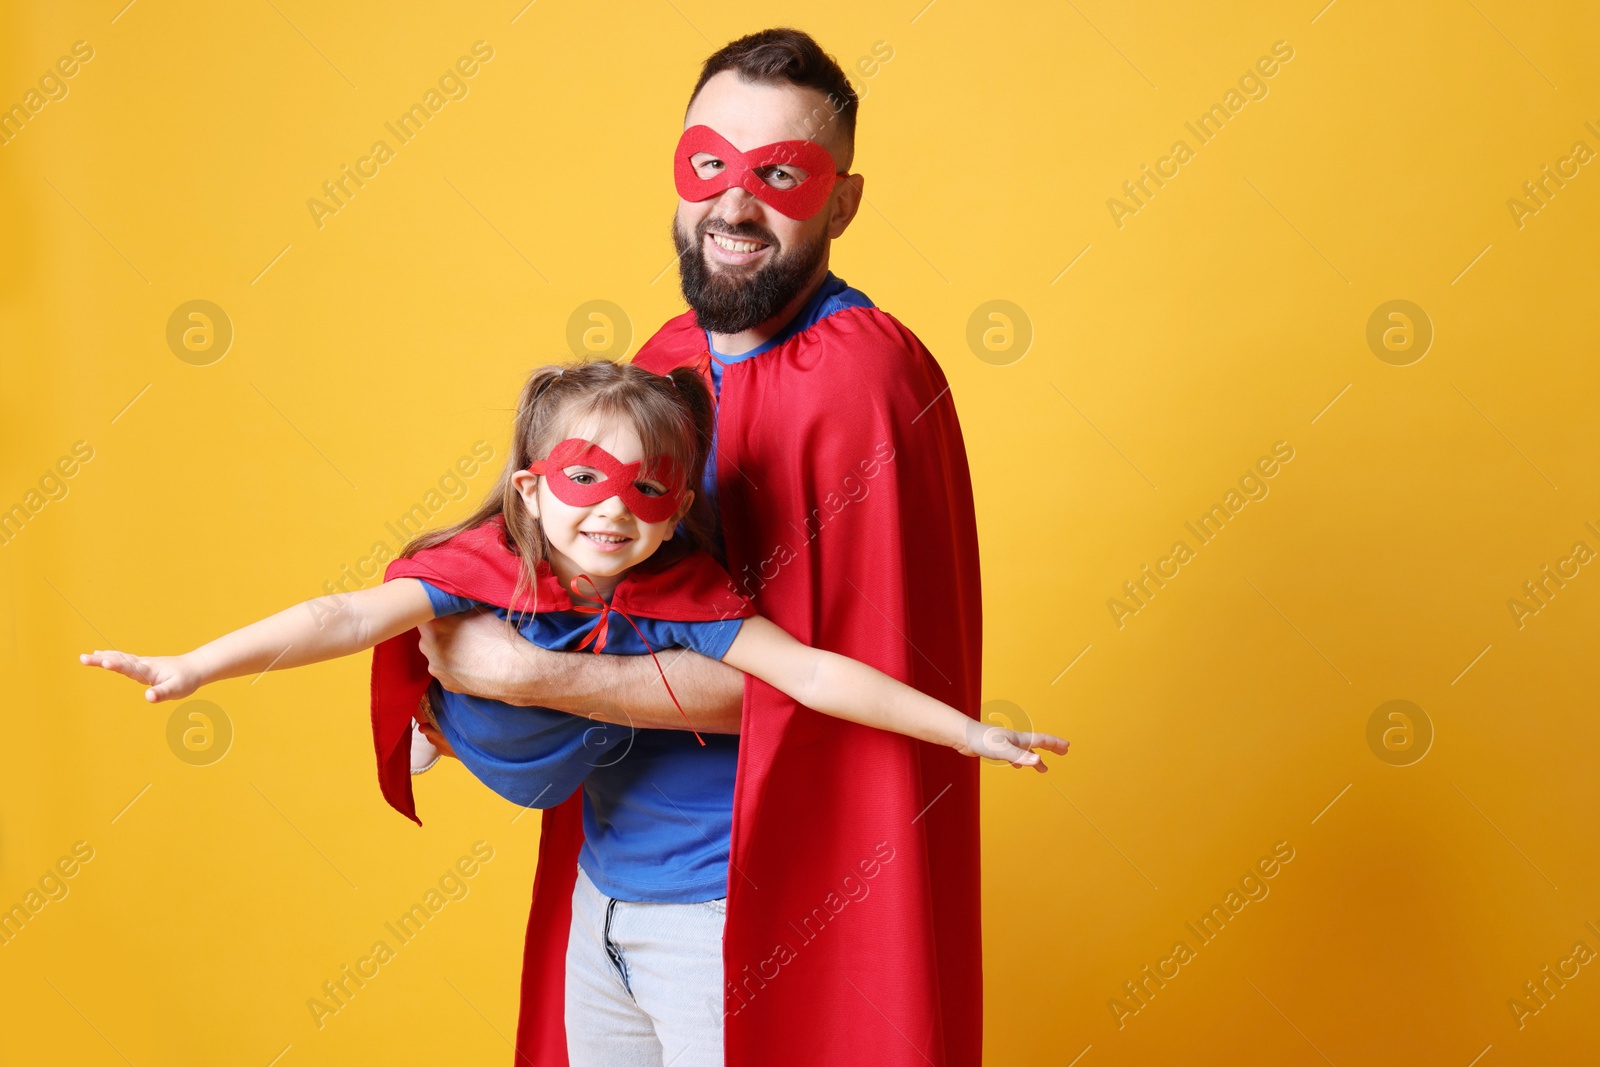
(737, 344)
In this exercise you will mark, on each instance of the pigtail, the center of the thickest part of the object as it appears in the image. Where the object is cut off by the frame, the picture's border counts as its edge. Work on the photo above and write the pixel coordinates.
(700, 410)
(698, 403)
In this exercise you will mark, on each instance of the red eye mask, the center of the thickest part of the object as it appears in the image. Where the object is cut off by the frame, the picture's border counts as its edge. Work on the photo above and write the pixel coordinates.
(619, 480)
(739, 168)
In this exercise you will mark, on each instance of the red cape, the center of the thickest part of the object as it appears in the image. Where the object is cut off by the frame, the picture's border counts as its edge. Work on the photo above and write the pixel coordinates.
(673, 585)
(853, 925)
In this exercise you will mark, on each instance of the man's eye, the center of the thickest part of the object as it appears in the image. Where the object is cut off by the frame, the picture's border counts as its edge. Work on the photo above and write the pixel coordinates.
(709, 166)
(783, 177)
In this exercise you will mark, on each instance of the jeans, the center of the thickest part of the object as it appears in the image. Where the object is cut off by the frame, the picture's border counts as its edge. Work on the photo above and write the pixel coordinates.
(644, 982)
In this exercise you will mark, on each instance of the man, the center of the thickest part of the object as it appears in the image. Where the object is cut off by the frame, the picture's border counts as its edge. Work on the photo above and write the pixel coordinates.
(844, 502)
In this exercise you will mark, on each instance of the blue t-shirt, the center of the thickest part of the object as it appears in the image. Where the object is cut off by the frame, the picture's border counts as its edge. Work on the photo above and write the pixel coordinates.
(657, 806)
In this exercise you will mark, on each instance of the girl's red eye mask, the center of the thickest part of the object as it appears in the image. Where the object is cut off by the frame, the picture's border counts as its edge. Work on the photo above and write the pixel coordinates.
(742, 169)
(617, 479)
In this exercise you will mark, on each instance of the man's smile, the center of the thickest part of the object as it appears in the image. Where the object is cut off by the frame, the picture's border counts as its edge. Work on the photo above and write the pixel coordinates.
(734, 250)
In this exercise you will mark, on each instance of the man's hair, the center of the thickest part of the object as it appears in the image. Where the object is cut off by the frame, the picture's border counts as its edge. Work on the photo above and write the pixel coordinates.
(784, 55)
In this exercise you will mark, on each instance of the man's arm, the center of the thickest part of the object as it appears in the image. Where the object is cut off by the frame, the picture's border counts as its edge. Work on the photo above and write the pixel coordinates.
(475, 653)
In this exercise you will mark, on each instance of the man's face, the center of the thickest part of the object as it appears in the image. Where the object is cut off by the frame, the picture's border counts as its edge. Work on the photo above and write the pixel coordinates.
(740, 261)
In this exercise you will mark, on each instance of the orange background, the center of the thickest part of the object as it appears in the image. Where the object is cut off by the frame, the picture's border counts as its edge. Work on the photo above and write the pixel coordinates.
(1136, 373)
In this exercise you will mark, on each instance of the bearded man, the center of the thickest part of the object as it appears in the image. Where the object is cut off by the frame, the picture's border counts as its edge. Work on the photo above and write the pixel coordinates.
(801, 890)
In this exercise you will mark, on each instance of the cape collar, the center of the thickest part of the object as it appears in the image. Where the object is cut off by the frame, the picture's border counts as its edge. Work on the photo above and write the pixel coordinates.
(833, 295)
(677, 584)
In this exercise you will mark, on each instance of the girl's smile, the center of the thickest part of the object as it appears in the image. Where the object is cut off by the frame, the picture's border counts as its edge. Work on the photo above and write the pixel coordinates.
(606, 541)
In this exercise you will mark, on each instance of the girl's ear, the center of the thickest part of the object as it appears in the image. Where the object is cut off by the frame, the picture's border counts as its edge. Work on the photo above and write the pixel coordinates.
(527, 485)
(683, 509)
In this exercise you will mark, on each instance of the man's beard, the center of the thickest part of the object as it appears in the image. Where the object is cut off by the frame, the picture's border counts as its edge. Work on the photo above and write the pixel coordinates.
(726, 301)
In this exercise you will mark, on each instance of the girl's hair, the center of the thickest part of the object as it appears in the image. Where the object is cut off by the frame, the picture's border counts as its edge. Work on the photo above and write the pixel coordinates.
(671, 413)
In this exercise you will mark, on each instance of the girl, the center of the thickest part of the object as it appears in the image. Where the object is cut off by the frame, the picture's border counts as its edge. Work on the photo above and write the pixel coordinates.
(598, 480)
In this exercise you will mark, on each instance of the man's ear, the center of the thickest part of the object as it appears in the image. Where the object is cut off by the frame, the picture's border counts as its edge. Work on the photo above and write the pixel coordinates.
(527, 485)
(847, 194)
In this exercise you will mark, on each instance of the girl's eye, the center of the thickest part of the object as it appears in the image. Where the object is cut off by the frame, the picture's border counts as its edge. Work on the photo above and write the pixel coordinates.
(649, 489)
(583, 478)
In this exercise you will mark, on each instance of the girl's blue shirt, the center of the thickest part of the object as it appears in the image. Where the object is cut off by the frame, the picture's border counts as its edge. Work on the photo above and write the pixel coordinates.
(657, 806)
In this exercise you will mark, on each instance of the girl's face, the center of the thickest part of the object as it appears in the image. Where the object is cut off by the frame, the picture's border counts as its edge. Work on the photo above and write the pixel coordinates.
(601, 540)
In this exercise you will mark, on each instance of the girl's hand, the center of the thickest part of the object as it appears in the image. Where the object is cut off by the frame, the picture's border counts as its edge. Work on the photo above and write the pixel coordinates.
(1012, 746)
(169, 677)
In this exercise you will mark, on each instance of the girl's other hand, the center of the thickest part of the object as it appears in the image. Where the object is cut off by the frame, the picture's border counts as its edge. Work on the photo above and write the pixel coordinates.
(169, 677)
(1012, 746)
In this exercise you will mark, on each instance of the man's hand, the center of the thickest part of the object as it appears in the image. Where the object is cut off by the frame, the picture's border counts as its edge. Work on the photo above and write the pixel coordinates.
(475, 652)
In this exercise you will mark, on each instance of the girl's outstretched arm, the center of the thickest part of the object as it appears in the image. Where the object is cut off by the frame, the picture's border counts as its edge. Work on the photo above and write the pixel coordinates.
(316, 630)
(848, 689)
